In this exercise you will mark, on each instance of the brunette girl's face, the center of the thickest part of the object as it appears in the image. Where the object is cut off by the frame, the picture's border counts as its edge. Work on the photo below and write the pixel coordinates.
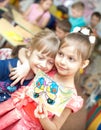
(46, 4)
(60, 33)
(67, 61)
(94, 21)
(40, 60)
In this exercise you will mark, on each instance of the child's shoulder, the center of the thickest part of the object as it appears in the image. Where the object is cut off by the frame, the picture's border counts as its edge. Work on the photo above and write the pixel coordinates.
(34, 5)
(76, 103)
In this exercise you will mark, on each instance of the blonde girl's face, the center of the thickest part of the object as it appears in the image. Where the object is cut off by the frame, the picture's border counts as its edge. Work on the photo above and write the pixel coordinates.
(67, 62)
(47, 4)
(38, 60)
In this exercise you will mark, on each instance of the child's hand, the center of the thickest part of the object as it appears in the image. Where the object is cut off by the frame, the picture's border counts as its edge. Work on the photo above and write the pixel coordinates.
(40, 111)
(19, 74)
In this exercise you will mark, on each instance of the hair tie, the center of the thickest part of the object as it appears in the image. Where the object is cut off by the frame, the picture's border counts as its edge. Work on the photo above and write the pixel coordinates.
(92, 39)
(76, 29)
(85, 31)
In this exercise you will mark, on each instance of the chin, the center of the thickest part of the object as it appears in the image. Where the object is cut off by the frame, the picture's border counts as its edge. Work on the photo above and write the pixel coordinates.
(35, 71)
(62, 73)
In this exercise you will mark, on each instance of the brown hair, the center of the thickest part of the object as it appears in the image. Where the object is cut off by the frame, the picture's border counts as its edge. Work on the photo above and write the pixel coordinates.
(78, 5)
(97, 14)
(83, 47)
(63, 25)
(46, 40)
(80, 42)
(45, 0)
(16, 49)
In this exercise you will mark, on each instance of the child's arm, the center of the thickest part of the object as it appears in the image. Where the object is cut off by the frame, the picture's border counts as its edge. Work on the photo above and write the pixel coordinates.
(51, 124)
(4, 3)
(26, 13)
(20, 72)
(44, 23)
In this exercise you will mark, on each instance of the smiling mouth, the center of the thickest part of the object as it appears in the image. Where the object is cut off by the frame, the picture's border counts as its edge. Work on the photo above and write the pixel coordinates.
(42, 69)
(61, 68)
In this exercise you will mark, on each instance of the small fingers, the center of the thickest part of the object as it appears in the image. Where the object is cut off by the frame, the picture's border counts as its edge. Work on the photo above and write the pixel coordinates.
(12, 69)
(14, 77)
(13, 72)
(40, 111)
(15, 82)
(22, 80)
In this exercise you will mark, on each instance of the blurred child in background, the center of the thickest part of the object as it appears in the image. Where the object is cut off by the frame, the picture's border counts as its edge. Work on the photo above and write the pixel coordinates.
(3, 3)
(38, 13)
(76, 17)
(63, 28)
(94, 22)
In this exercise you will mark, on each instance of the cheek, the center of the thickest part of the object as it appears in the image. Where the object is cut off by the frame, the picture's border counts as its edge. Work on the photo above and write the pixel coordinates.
(50, 66)
(32, 61)
(57, 60)
(32, 65)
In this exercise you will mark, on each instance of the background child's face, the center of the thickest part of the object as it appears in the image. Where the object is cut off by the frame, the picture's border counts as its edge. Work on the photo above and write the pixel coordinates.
(38, 60)
(67, 61)
(60, 33)
(76, 13)
(47, 4)
(94, 21)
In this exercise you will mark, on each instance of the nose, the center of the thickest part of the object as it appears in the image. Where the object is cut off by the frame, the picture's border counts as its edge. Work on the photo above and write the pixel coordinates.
(63, 61)
(44, 64)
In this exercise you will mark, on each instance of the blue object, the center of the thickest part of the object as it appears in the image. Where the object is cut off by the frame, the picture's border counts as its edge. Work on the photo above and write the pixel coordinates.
(99, 127)
(80, 22)
(51, 23)
(11, 88)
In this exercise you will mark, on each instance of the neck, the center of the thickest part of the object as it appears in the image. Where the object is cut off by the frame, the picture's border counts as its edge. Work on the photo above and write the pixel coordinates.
(92, 26)
(66, 81)
(30, 75)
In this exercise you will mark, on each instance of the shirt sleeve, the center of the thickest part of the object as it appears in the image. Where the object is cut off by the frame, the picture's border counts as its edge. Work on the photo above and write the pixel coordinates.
(75, 103)
(4, 68)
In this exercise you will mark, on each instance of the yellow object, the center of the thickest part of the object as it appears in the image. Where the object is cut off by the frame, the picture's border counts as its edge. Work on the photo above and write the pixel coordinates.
(14, 3)
(14, 36)
(81, 71)
(95, 123)
(59, 14)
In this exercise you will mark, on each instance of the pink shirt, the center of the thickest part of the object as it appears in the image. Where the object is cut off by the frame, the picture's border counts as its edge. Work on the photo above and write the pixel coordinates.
(20, 109)
(35, 13)
(76, 102)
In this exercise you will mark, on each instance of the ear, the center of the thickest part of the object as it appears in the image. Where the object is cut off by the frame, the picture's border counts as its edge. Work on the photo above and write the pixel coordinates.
(85, 64)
